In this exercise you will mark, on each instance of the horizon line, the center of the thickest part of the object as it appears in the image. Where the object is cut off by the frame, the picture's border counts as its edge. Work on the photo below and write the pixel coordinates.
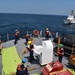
(30, 13)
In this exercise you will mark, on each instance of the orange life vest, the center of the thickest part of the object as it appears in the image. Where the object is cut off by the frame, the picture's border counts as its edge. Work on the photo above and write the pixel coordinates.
(47, 32)
(0, 46)
(17, 33)
(19, 67)
(59, 53)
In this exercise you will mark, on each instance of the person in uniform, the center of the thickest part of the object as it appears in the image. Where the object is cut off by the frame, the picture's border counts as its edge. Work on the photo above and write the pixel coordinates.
(22, 69)
(47, 33)
(31, 52)
(0, 45)
(60, 53)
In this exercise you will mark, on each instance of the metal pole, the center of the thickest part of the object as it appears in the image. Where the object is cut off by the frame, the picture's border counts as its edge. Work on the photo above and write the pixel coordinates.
(7, 37)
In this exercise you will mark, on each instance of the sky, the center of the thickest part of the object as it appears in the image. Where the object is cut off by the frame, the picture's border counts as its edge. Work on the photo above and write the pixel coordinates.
(50, 7)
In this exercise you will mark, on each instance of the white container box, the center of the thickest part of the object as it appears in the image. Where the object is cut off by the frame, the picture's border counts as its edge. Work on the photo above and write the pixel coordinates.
(45, 52)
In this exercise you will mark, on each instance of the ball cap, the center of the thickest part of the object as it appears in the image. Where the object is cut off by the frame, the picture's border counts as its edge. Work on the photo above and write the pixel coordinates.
(46, 28)
(24, 60)
(16, 30)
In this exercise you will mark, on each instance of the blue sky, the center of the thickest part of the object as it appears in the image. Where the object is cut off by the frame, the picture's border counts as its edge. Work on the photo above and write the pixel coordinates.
(52, 7)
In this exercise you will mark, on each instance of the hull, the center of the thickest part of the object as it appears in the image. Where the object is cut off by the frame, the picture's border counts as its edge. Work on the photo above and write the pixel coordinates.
(66, 40)
(66, 22)
(69, 22)
(73, 21)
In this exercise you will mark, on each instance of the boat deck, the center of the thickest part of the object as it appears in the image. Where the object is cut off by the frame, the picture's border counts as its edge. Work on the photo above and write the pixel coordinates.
(21, 45)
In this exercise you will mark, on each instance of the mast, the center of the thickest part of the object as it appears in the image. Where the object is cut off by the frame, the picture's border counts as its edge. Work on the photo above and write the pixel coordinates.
(72, 12)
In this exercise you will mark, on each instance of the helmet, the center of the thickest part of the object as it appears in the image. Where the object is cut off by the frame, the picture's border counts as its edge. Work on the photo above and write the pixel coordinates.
(30, 34)
(60, 45)
(29, 42)
(16, 30)
(24, 60)
(46, 28)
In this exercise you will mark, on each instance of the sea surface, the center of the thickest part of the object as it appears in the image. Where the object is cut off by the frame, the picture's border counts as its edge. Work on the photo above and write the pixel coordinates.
(29, 22)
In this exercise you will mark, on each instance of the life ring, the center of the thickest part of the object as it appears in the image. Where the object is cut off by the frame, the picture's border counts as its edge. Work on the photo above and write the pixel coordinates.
(35, 32)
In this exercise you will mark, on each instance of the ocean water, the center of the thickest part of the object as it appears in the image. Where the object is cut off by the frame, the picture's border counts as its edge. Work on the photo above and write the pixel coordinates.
(30, 22)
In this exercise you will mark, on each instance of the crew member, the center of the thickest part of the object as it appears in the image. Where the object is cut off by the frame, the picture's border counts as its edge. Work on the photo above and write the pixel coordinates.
(31, 52)
(60, 53)
(27, 37)
(27, 48)
(22, 69)
(47, 34)
(16, 36)
(0, 45)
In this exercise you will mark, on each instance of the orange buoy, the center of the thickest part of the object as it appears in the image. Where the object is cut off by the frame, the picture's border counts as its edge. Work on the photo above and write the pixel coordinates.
(35, 32)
